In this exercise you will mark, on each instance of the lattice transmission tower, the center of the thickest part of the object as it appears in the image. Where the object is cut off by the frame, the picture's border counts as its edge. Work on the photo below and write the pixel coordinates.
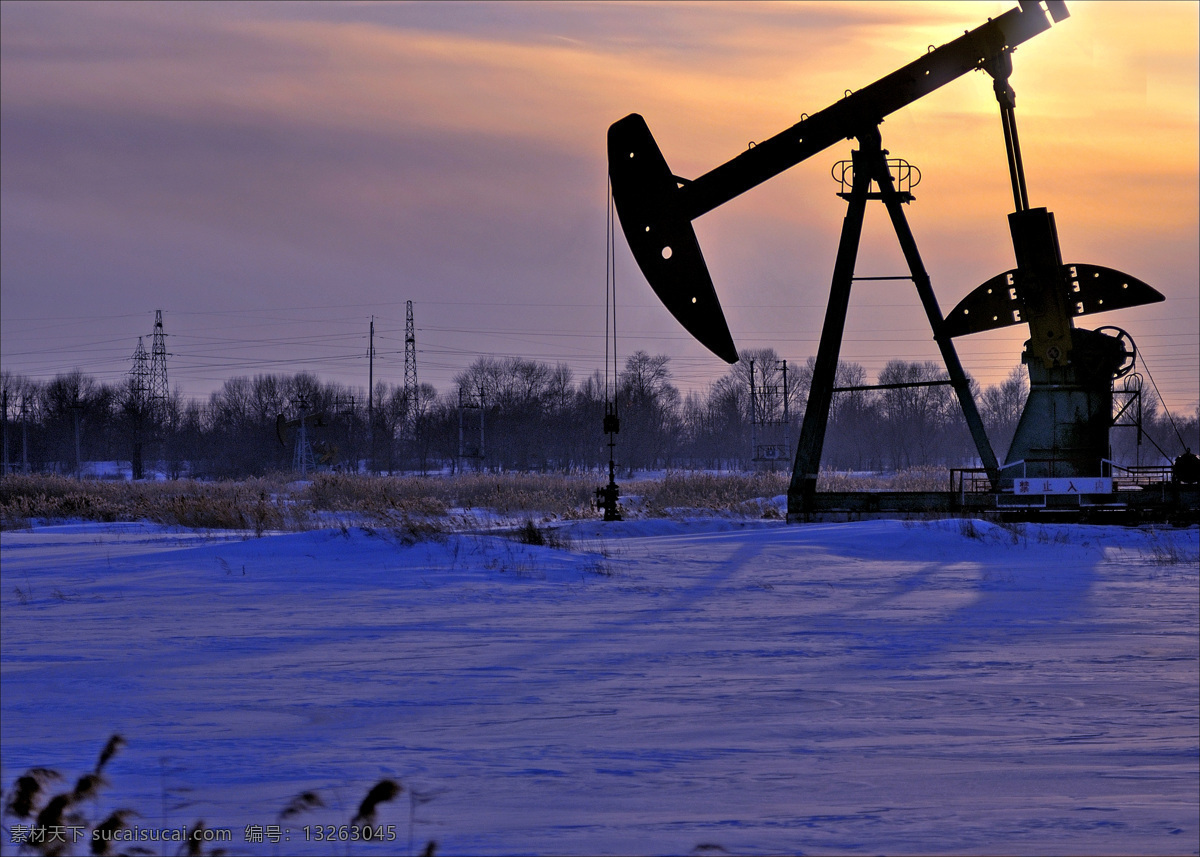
(157, 390)
(302, 456)
(411, 391)
(139, 384)
(139, 377)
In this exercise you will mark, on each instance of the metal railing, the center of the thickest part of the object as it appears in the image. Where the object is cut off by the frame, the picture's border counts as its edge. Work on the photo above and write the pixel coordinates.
(969, 480)
(1137, 476)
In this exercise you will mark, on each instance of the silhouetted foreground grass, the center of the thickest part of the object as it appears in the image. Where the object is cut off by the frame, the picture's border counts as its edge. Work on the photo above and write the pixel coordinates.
(49, 824)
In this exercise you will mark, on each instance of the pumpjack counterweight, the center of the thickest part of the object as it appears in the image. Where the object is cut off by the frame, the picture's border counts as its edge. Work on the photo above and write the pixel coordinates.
(660, 236)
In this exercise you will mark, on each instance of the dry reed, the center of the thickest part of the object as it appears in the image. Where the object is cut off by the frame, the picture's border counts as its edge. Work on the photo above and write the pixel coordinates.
(300, 804)
(432, 496)
(24, 795)
(709, 492)
(105, 833)
(909, 479)
(383, 791)
(254, 504)
(115, 743)
(416, 507)
(60, 812)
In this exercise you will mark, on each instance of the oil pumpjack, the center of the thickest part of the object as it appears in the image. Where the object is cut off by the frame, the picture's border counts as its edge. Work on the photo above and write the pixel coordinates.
(1063, 431)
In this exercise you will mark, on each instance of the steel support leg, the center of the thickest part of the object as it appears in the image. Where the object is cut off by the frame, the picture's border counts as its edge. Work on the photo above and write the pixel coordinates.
(816, 413)
(870, 164)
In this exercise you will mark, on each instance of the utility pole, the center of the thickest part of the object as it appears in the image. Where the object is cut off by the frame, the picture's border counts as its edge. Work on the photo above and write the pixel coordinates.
(77, 407)
(785, 449)
(754, 415)
(770, 433)
(24, 432)
(5, 407)
(371, 396)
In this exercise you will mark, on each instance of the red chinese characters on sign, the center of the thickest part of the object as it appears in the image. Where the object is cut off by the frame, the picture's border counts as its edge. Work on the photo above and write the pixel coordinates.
(1069, 485)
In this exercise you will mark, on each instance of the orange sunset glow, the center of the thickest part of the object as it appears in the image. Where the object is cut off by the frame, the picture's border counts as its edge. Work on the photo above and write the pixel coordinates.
(274, 174)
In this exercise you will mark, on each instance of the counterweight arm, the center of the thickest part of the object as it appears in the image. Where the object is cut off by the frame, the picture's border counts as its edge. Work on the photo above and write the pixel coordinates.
(1041, 291)
(862, 110)
(656, 207)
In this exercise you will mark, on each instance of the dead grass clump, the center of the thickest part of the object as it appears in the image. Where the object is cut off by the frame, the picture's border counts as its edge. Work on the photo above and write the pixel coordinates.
(387, 500)
(969, 530)
(710, 492)
(382, 497)
(909, 479)
(410, 530)
(256, 504)
(414, 507)
(23, 498)
(516, 493)
(530, 533)
(221, 506)
(1166, 548)
(34, 485)
(339, 491)
(377, 498)
(927, 478)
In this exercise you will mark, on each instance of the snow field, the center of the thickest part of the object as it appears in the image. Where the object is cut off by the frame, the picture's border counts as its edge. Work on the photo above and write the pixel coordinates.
(649, 687)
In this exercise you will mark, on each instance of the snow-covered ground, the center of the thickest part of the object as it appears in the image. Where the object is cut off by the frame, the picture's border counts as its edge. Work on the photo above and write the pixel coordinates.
(653, 687)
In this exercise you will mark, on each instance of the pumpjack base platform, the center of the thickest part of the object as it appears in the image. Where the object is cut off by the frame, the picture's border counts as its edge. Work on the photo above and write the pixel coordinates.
(1166, 503)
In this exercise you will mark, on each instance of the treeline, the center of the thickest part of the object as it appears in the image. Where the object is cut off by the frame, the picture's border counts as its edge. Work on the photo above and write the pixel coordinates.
(524, 415)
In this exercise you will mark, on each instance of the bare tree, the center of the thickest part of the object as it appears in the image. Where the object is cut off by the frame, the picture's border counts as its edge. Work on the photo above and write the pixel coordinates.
(915, 418)
(1000, 408)
(650, 410)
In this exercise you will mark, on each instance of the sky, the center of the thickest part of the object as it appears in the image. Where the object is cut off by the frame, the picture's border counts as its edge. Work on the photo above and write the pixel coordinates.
(272, 176)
